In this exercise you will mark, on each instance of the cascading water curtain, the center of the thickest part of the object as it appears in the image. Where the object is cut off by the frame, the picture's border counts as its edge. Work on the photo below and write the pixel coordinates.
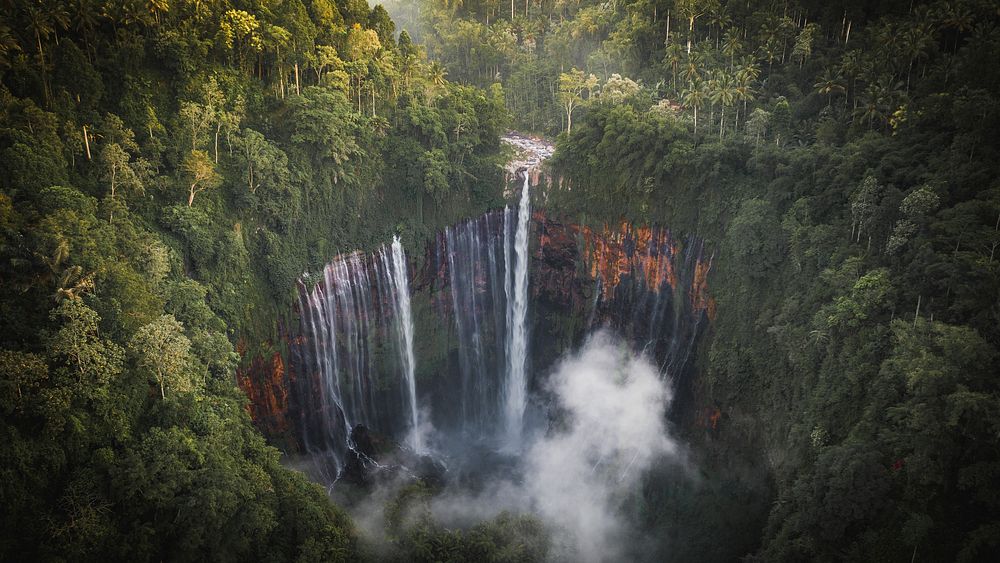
(486, 260)
(516, 388)
(477, 306)
(394, 262)
(361, 304)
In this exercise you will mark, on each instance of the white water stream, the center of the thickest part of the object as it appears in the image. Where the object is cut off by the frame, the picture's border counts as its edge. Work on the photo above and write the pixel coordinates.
(517, 332)
(404, 334)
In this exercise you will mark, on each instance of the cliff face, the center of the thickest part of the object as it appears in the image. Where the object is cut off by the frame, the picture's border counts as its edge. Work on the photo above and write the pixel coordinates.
(267, 384)
(641, 281)
(569, 256)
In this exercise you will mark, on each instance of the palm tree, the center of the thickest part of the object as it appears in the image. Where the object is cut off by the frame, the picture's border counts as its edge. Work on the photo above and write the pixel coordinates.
(748, 70)
(746, 77)
(41, 26)
(731, 46)
(879, 100)
(869, 110)
(723, 92)
(829, 84)
(917, 40)
(769, 51)
(436, 74)
(770, 35)
(720, 20)
(744, 93)
(692, 10)
(73, 284)
(888, 39)
(956, 16)
(157, 7)
(691, 71)
(674, 56)
(694, 98)
(852, 65)
(43, 21)
(787, 29)
(84, 15)
(8, 45)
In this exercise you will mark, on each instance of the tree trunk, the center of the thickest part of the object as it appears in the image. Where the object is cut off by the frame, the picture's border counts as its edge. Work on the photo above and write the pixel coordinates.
(111, 214)
(41, 67)
(690, 33)
(666, 41)
(86, 141)
(218, 127)
(191, 194)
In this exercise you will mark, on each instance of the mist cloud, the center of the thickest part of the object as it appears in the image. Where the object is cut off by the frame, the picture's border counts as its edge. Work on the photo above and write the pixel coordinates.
(614, 403)
(608, 431)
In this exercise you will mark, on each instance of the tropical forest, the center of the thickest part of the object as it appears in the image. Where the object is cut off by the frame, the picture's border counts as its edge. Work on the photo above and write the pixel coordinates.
(500, 281)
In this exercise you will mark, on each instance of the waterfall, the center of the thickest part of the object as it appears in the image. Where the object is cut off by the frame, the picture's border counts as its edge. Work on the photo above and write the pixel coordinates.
(516, 388)
(336, 316)
(466, 306)
(395, 263)
(485, 300)
(473, 282)
(360, 306)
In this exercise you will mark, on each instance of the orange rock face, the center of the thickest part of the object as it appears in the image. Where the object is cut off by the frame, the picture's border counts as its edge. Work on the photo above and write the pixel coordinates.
(615, 253)
(700, 300)
(627, 250)
(266, 383)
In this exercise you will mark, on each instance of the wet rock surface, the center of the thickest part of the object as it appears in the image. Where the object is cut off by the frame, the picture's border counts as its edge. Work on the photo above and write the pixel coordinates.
(375, 459)
(530, 152)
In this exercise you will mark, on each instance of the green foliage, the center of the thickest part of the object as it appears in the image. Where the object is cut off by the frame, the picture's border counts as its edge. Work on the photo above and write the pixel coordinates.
(120, 305)
(416, 536)
(162, 350)
(435, 168)
(856, 270)
(756, 237)
(324, 126)
(852, 227)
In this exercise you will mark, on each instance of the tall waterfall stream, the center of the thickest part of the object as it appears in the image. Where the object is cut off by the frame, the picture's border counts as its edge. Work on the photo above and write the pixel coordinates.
(529, 360)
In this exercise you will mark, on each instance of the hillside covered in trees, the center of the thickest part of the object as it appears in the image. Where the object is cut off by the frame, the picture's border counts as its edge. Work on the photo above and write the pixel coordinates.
(842, 160)
(168, 171)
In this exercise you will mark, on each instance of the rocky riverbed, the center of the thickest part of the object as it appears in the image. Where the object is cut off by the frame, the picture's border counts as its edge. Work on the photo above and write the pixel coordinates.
(530, 151)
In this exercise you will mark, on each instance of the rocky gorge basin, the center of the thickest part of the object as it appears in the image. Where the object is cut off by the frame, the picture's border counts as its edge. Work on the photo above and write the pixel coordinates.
(441, 397)
(396, 371)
